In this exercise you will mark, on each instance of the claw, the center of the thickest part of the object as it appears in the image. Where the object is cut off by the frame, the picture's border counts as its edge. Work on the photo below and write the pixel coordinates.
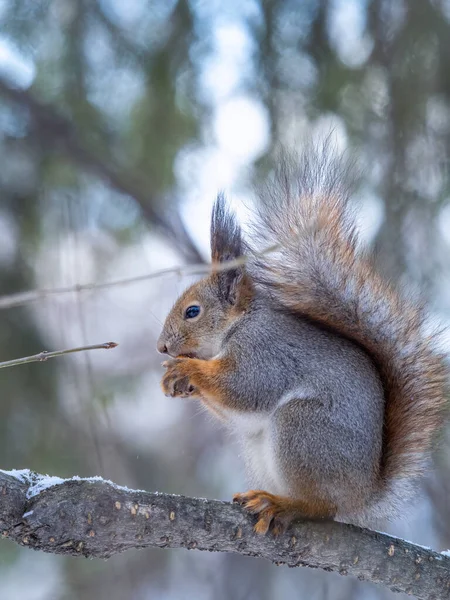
(278, 512)
(270, 510)
(176, 382)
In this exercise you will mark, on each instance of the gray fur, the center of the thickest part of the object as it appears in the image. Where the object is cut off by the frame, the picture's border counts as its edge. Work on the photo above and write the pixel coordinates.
(322, 423)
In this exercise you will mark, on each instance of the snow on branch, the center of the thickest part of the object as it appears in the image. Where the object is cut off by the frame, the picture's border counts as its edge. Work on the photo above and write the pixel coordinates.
(96, 518)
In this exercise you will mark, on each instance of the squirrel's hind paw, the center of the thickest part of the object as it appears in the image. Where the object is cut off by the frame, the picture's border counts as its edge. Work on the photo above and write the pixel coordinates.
(272, 511)
(278, 512)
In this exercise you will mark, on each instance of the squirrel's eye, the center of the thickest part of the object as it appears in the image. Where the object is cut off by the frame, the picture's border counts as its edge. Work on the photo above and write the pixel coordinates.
(191, 312)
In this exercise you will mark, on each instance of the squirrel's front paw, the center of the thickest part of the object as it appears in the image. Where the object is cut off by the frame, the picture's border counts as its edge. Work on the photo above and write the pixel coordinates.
(176, 381)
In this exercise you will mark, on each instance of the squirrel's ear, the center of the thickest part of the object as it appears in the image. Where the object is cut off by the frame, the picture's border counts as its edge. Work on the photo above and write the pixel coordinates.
(227, 244)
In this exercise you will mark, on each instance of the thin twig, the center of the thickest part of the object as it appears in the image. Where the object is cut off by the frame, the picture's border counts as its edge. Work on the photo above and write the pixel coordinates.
(44, 355)
(21, 298)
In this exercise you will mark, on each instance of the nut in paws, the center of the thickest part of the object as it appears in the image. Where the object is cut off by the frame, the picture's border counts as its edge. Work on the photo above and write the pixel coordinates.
(176, 381)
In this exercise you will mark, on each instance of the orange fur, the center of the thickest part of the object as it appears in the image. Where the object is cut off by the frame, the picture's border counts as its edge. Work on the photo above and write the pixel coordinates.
(203, 378)
(280, 511)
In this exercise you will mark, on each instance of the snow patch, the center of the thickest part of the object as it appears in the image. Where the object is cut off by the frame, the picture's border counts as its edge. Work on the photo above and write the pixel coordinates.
(38, 483)
(20, 474)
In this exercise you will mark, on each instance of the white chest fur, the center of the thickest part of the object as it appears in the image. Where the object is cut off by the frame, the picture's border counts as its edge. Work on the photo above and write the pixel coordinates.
(255, 435)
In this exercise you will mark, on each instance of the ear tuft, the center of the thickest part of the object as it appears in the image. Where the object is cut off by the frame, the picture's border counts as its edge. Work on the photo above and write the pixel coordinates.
(226, 237)
(227, 244)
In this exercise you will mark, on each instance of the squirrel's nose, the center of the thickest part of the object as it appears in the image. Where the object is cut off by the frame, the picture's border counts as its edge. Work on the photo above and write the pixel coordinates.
(161, 346)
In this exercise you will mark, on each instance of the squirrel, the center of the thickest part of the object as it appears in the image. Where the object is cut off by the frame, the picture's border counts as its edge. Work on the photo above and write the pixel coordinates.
(318, 364)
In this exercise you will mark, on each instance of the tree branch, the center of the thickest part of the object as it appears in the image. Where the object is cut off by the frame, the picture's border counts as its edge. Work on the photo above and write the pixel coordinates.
(95, 518)
(59, 133)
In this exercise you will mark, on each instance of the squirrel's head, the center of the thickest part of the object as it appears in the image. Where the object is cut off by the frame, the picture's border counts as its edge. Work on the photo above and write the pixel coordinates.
(200, 319)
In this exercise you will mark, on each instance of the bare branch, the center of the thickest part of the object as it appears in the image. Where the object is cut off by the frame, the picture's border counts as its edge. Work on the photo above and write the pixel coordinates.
(44, 355)
(57, 132)
(95, 518)
(21, 298)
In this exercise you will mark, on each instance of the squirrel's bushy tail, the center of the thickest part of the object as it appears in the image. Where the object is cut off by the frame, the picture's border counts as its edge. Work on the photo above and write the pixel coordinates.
(320, 273)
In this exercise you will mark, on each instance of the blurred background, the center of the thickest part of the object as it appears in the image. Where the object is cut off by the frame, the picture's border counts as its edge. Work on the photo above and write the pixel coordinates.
(119, 123)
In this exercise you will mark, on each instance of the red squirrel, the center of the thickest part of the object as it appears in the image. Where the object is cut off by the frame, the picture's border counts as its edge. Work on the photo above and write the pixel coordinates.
(318, 364)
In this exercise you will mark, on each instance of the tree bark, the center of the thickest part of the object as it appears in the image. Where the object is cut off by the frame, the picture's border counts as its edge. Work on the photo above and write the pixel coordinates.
(95, 518)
